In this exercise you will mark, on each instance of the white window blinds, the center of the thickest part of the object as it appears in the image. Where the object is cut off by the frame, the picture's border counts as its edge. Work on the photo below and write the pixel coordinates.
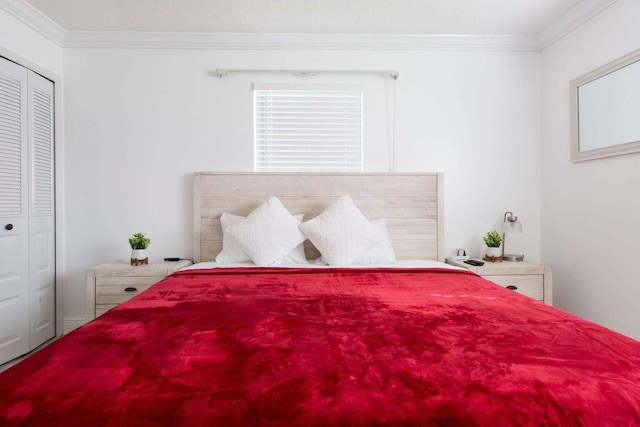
(317, 129)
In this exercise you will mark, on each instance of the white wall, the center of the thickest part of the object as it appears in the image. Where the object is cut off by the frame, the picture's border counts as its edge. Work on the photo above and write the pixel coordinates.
(591, 210)
(19, 41)
(139, 122)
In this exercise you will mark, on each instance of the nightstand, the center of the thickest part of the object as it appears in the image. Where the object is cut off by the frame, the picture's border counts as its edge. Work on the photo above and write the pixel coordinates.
(532, 280)
(115, 282)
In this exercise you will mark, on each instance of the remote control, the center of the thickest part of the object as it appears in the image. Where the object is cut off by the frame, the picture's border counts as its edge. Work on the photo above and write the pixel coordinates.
(474, 262)
(172, 259)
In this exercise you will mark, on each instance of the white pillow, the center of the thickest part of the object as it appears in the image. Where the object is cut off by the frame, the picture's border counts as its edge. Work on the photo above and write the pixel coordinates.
(341, 233)
(381, 252)
(232, 252)
(268, 233)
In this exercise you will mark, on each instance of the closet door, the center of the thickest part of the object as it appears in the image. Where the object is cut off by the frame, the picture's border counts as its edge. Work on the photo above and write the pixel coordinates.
(14, 211)
(27, 222)
(41, 212)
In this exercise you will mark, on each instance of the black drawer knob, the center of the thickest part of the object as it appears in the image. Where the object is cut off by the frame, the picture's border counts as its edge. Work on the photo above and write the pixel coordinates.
(8, 227)
(130, 289)
(512, 287)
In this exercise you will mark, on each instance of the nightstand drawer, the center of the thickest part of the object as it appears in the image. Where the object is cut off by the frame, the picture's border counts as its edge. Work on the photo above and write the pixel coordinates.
(532, 280)
(115, 294)
(531, 285)
(126, 281)
(115, 282)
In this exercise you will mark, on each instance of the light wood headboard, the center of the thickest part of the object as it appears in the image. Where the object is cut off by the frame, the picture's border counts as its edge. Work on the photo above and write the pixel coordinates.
(411, 203)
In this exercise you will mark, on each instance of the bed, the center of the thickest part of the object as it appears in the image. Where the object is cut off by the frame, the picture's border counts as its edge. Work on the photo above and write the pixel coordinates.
(407, 343)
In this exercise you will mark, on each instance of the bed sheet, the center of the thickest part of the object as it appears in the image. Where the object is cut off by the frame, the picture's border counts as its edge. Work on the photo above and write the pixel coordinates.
(329, 347)
(401, 263)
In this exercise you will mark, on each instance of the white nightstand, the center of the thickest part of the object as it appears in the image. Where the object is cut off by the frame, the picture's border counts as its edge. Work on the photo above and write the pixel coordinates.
(115, 282)
(532, 280)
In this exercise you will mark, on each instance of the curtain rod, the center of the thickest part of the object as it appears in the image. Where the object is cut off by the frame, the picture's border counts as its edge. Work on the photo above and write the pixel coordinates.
(222, 72)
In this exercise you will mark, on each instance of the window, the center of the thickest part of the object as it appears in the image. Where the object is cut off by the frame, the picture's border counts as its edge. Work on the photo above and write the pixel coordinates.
(308, 128)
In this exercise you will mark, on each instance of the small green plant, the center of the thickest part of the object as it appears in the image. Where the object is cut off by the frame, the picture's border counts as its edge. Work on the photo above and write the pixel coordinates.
(138, 241)
(492, 239)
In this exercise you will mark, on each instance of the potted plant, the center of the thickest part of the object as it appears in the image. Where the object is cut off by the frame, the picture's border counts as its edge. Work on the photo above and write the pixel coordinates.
(139, 244)
(493, 240)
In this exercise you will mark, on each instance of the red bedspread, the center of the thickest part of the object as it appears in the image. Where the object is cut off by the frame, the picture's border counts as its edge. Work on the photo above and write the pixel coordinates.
(330, 347)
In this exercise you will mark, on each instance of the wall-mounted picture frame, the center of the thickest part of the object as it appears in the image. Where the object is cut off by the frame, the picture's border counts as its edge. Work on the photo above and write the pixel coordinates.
(605, 110)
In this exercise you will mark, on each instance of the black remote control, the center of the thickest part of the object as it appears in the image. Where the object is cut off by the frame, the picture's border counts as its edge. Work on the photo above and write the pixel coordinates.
(172, 259)
(474, 262)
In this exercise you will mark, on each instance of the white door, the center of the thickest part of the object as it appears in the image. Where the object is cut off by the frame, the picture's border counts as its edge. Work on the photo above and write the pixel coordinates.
(42, 274)
(27, 223)
(14, 211)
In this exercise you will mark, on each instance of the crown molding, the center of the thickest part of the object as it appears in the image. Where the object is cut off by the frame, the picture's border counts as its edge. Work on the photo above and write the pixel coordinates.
(571, 20)
(249, 41)
(31, 16)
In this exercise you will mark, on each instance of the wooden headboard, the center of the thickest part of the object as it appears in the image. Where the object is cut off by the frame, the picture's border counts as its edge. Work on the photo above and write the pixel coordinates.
(411, 203)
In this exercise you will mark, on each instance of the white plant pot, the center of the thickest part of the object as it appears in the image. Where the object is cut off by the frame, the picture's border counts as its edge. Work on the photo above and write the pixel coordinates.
(138, 253)
(494, 252)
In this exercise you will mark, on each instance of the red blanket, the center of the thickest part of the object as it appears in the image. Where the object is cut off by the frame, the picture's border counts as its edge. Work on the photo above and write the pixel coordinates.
(331, 347)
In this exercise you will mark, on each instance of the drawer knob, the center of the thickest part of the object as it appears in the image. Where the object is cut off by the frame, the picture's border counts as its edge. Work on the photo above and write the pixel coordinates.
(512, 287)
(130, 289)
(8, 227)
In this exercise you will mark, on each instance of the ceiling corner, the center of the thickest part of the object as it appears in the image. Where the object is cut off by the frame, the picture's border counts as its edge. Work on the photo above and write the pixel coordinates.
(31, 16)
(571, 20)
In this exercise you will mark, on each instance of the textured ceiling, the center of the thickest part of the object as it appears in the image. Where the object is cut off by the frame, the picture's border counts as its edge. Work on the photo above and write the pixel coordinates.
(482, 17)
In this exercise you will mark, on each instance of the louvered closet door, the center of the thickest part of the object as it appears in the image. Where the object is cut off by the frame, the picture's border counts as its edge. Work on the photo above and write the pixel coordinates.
(41, 212)
(14, 211)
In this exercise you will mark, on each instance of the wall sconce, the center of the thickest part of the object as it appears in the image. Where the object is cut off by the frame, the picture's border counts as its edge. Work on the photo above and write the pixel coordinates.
(510, 225)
